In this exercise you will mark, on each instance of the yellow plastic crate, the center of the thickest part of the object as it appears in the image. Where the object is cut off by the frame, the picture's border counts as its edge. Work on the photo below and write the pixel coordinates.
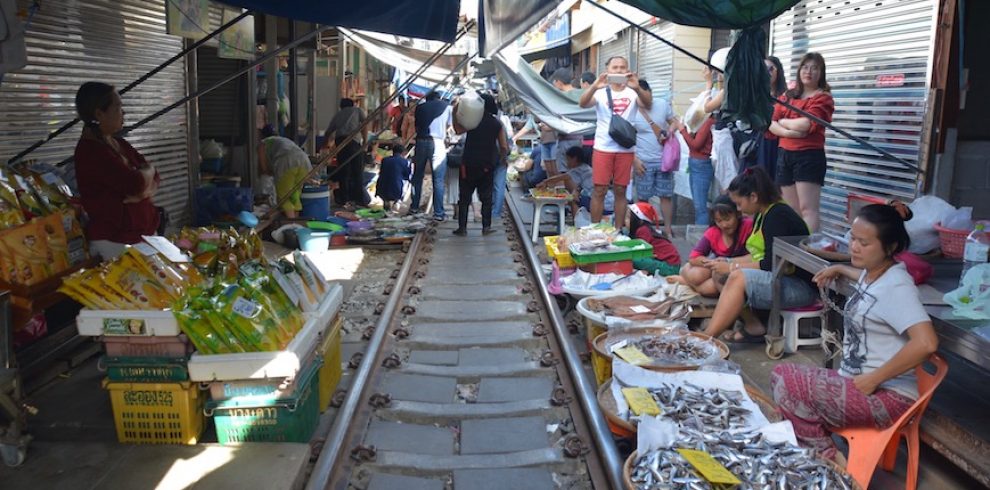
(331, 371)
(562, 257)
(157, 413)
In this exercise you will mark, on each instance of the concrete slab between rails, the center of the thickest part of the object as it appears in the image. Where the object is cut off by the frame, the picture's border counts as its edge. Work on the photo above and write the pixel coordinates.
(497, 479)
(473, 293)
(420, 410)
(441, 252)
(503, 435)
(523, 368)
(417, 388)
(434, 335)
(434, 357)
(471, 310)
(441, 262)
(403, 437)
(384, 481)
(424, 462)
(471, 273)
(493, 390)
(477, 356)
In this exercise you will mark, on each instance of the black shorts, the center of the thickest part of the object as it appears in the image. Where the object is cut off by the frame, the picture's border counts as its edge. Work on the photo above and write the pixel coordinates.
(800, 166)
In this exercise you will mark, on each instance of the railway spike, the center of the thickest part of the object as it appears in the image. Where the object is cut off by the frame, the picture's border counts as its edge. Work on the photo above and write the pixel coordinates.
(338, 398)
(380, 400)
(392, 361)
(560, 397)
(355, 360)
(364, 454)
(574, 447)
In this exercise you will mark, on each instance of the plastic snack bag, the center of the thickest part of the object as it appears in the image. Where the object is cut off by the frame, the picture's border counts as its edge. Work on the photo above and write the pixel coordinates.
(58, 244)
(10, 208)
(30, 203)
(972, 298)
(27, 246)
(126, 277)
(247, 317)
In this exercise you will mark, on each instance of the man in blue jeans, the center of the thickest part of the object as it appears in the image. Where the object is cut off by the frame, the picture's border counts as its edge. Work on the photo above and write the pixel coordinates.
(432, 120)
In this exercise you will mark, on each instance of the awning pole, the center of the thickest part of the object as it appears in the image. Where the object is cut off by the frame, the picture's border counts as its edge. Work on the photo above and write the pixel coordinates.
(812, 117)
(65, 127)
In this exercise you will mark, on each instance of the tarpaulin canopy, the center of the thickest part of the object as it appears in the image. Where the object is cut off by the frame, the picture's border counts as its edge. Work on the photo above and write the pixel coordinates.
(719, 14)
(435, 19)
(503, 21)
(548, 104)
(404, 58)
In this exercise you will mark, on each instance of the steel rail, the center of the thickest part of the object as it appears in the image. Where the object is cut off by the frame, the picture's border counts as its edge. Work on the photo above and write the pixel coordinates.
(587, 395)
(322, 470)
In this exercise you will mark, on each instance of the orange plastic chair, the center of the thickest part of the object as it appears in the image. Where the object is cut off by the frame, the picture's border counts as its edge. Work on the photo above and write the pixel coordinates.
(869, 447)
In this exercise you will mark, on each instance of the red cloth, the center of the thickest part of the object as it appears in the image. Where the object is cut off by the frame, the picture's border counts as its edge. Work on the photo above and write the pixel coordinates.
(662, 248)
(104, 181)
(821, 105)
(701, 143)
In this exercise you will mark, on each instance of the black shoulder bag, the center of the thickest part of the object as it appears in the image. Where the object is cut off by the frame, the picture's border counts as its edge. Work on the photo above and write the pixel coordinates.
(619, 129)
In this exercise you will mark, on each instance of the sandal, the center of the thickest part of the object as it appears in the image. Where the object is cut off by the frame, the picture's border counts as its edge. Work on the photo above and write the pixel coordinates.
(743, 337)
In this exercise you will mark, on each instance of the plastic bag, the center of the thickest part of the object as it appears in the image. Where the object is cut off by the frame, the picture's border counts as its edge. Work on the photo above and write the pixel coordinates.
(927, 210)
(695, 114)
(959, 219)
(972, 298)
(919, 270)
(724, 157)
(583, 218)
(671, 155)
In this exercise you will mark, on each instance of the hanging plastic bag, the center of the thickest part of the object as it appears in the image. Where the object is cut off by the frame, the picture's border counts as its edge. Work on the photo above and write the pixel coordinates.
(724, 157)
(972, 298)
(671, 155)
(695, 114)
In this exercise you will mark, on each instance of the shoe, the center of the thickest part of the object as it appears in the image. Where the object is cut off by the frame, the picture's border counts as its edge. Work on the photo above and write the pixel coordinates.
(487, 231)
(460, 232)
(439, 219)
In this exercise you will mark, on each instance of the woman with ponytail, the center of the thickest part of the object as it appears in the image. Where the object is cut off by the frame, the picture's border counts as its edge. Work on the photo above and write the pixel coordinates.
(115, 181)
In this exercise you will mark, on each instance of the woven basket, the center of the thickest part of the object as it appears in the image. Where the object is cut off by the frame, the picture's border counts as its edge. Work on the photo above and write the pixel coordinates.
(952, 242)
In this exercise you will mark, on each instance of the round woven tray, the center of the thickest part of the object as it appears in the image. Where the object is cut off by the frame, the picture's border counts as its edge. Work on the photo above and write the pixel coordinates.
(607, 403)
(627, 472)
(600, 347)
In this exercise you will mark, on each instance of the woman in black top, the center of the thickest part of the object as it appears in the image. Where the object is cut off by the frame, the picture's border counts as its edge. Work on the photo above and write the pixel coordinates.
(750, 279)
(484, 147)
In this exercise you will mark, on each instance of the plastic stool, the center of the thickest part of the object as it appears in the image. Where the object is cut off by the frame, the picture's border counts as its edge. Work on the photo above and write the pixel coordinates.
(792, 320)
(538, 204)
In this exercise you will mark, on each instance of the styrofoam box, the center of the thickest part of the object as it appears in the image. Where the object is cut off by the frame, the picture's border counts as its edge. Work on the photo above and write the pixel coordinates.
(159, 323)
(276, 364)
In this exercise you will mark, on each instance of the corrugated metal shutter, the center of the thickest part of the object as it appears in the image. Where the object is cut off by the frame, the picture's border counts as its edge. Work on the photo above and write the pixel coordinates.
(878, 55)
(656, 59)
(115, 41)
(616, 47)
(220, 111)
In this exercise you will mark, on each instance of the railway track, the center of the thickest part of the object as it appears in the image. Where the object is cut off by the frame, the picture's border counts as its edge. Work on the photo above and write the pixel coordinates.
(467, 380)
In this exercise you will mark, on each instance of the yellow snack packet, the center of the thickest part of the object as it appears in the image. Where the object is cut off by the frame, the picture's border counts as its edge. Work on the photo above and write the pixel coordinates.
(125, 276)
(58, 245)
(27, 245)
(156, 267)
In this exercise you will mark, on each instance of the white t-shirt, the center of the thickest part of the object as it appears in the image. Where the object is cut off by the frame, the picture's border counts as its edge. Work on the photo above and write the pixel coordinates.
(438, 127)
(625, 104)
(876, 319)
(648, 149)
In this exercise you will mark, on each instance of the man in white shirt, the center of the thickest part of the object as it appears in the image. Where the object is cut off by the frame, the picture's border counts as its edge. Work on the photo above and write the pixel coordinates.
(611, 162)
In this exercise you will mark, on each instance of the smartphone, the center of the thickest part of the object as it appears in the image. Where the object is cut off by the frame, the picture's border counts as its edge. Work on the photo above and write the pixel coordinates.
(617, 79)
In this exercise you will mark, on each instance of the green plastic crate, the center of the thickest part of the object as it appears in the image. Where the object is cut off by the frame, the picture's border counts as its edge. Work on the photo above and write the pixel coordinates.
(632, 250)
(289, 419)
(146, 369)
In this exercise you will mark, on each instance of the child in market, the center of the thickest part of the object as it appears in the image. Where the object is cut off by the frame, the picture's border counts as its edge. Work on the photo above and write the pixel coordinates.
(724, 240)
(643, 222)
(395, 172)
(577, 178)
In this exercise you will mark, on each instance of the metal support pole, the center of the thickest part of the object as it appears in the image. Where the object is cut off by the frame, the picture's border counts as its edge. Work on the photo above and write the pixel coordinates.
(271, 71)
(192, 125)
(292, 131)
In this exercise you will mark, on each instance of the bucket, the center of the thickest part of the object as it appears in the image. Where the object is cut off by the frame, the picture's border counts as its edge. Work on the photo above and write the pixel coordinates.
(313, 241)
(315, 202)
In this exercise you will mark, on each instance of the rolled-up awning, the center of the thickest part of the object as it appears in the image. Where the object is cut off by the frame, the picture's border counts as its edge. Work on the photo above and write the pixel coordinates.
(404, 58)
(550, 105)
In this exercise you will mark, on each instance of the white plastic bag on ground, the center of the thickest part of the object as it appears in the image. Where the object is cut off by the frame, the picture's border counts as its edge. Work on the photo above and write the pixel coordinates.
(724, 157)
(583, 218)
(972, 298)
(266, 187)
(927, 210)
(959, 219)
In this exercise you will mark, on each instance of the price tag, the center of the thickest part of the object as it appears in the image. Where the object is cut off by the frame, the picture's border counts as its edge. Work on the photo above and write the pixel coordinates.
(639, 309)
(710, 469)
(145, 249)
(633, 355)
(246, 308)
(641, 402)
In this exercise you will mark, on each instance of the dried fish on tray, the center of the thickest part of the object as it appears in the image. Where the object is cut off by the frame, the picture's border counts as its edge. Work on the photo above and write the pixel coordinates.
(755, 461)
(702, 408)
(666, 348)
(638, 309)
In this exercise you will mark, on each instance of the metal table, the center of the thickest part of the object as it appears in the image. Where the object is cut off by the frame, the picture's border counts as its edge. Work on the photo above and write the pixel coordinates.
(955, 334)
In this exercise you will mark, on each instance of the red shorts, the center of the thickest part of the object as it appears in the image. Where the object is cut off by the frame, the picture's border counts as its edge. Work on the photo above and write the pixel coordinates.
(611, 168)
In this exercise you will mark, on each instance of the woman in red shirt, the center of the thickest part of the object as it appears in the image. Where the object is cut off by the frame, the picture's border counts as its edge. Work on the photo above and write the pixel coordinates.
(801, 160)
(115, 181)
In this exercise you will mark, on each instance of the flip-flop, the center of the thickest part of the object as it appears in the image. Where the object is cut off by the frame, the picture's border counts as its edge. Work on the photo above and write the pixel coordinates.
(747, 338)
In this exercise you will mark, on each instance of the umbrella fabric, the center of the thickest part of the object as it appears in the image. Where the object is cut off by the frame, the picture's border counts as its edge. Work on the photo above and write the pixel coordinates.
(719, 14)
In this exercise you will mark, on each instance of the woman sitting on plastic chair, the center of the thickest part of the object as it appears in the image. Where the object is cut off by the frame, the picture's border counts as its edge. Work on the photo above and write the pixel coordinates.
(887, 334)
